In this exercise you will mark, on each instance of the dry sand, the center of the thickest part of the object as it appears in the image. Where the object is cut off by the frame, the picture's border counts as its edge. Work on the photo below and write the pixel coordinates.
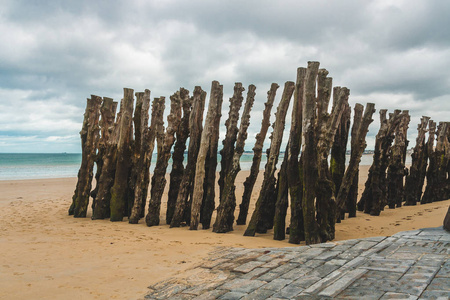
(46, 254)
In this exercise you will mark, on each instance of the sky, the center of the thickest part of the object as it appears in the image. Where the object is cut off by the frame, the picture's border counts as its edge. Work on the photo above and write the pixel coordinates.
(55, 54)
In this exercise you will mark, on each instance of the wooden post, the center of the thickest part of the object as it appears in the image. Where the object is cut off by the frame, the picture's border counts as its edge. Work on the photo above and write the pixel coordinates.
(352, 197)
(294, 165)
(89, 141)
(200, 172)
(282, 203)
(120, 187)
(355, 157)
(415, 178)
(177, 172)
(108, 114)
(327, 126)
(146, 149)
(263, 215)
(309, 155)
(225, 210)
(436, 173)
(339, 151)
(396, 168)
(182, 206)
(231, 125)
(159, 175)
(209, 184)
(257, 154)
(106, 180)
(374, 198)
(136, 150)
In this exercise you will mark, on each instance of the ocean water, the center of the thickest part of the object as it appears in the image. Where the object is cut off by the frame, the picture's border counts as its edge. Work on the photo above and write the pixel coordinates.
(15, 166)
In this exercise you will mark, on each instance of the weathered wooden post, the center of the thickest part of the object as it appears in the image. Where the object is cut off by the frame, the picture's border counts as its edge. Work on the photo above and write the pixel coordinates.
(106, 180)
(374, 198)
(309, 155)
(359, 132)
(89, 141)
(339, 151)
(108, 114)
(416, 176)
(436, 174)
(263, 215)
(327, 125)
(257, 154)
(282, 202)
(231, 125)
(120, 187)
(294, 165)
(352, 198)
(159, 174)
(177, 172)
(147, 146)
(215, 104)
(396, 168)
(182, 207)
(209, 184)
(225, 210)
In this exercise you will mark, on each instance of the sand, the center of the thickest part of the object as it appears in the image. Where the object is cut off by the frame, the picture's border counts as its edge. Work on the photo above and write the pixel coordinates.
(46, 254)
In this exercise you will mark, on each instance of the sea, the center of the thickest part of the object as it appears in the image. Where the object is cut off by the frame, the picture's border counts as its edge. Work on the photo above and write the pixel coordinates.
(18, 166)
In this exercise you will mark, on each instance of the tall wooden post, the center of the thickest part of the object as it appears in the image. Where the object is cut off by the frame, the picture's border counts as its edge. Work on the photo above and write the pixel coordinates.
(159, 175)
(396, 168)
(108, 115)
(225, 210)
(197, 196)
(263, 215)
(355, 157)
(147, 136)
(177, 172)
(120, 187)
(89, 141)
(209, 184)
(182, 206)
(294, 165)
(257, 154)
(415, 178)
(231, 125)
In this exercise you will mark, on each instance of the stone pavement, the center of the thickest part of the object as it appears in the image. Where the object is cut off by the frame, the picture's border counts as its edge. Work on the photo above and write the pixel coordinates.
(408, 265)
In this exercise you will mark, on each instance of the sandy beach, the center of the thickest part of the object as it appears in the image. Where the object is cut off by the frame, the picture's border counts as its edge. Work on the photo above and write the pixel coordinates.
(47, 254)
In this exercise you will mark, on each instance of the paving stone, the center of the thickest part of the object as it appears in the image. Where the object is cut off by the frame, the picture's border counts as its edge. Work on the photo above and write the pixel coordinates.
(430, 294)
(391, 295)
(259, 294)
(319, 285)
(296, 273)
(285, 268)
(324, 270)
(393, 276)
(343, 282)
(364, 245)
(274, 263)
(352, 293)
(337, 262)
(213, 294)
(327, 255)
(323, 245)
(441, 284)
(350, 254)
(169, 291)
(313, 263)
(306, 281)
(242, 285)
(247, 267)
(232, 296)
(269, 276)
(444, 271)
(288, 292)
(255, 273)
(277, 284)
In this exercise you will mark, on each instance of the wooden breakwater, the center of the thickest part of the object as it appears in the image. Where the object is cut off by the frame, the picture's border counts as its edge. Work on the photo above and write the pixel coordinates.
(318, 193)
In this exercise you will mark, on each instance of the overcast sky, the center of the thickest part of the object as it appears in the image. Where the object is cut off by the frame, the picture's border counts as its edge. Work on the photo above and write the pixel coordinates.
(55, 54)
